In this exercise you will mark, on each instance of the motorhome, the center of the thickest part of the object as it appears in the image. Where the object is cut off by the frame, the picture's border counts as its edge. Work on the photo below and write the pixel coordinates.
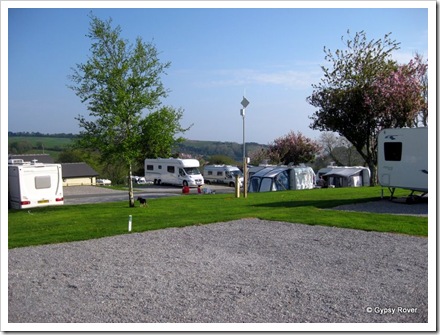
(173, 171)
(33, 184)
(343, 176)
(402, 157)
(222, 174)
(280, 178)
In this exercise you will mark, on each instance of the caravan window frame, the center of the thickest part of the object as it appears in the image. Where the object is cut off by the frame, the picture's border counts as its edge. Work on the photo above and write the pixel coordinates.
(393, 151)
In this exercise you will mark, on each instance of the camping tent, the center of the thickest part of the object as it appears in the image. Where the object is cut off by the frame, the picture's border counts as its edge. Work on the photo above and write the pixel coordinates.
(280, 178)
(345, 176)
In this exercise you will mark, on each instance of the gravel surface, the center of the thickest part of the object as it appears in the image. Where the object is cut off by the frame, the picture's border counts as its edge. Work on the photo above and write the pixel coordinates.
(240, 271)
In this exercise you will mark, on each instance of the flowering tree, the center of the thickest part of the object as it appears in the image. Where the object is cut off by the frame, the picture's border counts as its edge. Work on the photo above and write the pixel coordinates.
(396, 98)
(365, 91)
(293, 148)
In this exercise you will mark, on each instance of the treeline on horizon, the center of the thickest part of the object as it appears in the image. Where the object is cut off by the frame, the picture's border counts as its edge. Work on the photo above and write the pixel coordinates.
(197, 148)
(38, 134)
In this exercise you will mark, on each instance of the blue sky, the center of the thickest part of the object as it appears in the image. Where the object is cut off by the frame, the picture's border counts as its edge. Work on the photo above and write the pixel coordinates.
(272, 55)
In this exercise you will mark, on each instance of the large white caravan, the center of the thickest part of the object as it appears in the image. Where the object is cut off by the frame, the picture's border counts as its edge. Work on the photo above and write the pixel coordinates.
(173, 171)
(222, 174)
(32, 184)
(402, 157)
(280, 178)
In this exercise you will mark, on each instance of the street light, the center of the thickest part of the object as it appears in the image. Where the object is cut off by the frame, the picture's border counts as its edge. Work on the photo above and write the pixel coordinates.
(244, 103)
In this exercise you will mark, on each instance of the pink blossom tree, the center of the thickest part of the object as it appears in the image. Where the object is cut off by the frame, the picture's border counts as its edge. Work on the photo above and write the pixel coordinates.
(293, 148)
(396, 97)
(364, 91)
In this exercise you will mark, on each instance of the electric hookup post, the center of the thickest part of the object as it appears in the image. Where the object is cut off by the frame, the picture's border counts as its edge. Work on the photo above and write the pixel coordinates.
(237, 186)
(244, 103)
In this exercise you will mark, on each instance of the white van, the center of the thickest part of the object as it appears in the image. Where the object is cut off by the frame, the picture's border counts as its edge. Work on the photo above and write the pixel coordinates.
(34, 184)
(173, 171)
(402, 157)
(222, 174)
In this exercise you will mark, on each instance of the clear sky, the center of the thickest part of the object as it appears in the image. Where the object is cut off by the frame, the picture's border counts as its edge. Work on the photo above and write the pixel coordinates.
(272, 55)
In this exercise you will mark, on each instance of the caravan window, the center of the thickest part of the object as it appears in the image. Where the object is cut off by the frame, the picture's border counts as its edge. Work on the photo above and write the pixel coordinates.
(150, 167)
(219, 173)
(393, 151)
(42, 182)
(209, 173)
(170, 169)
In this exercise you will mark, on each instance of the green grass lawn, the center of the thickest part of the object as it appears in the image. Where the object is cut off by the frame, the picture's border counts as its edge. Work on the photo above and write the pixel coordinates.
(82, 222)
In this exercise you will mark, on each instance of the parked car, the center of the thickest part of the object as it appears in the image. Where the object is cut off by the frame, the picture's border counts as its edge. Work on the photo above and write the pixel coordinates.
(103, 182)
(138, 180)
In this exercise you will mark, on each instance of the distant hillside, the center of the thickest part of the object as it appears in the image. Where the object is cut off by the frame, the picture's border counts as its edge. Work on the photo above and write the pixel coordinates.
(209, 148)
(25, 142)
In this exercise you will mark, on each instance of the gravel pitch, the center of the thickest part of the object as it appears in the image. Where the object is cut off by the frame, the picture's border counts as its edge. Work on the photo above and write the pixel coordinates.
(247, 270)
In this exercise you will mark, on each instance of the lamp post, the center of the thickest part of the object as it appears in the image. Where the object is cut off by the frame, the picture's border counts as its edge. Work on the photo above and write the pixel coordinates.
(244, 103)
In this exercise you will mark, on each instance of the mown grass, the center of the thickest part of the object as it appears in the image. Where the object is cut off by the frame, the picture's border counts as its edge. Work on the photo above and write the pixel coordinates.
(82, 222)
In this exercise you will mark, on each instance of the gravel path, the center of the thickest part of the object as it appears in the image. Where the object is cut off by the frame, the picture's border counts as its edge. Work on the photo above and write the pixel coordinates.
(240, 271)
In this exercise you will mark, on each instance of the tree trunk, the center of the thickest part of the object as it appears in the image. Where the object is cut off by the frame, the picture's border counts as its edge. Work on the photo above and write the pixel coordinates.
(373, 171)
(130, 189)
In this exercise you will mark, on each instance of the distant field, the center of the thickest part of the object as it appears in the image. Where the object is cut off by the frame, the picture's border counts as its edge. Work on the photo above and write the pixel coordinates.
(47, 142)
(54, 145)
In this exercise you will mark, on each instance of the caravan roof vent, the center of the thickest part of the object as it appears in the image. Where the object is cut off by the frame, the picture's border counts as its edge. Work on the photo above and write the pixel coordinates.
(16, 161)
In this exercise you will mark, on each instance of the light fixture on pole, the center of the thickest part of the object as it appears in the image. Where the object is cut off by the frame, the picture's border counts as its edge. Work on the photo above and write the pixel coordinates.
(244, 103)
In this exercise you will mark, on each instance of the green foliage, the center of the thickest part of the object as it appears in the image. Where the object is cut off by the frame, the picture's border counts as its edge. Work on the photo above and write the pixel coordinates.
(159, 130)
(206, 149)
(118, 82)
(82, 222)
(221, 159)
(19, 147)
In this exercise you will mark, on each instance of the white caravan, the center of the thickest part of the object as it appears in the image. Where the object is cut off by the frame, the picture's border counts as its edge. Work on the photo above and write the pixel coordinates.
(402, 157)
(222, 174)
(280, 178)
(173, 171)
(34, 184)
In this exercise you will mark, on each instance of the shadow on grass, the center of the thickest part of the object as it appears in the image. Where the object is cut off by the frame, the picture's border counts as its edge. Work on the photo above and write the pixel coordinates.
(321, 204)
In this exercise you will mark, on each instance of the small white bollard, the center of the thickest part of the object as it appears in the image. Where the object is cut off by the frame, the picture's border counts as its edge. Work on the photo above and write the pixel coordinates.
(129, 223)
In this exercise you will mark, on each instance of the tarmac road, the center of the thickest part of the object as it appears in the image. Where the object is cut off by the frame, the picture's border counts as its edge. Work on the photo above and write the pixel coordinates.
(75, 195)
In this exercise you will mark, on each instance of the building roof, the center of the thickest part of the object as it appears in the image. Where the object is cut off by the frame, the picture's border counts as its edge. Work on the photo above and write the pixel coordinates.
(75, 170)
(41, 158)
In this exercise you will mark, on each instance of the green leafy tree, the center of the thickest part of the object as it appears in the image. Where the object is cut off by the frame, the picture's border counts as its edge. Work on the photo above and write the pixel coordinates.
(118, 82)
(221, 159)
(19, 147)
(158, 133)
(350, 95)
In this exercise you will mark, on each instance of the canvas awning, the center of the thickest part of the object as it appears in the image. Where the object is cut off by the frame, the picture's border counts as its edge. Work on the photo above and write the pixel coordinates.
(343, 172)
